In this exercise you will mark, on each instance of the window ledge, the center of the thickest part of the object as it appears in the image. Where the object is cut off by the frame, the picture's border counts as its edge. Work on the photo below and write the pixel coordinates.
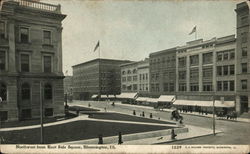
(48, 45)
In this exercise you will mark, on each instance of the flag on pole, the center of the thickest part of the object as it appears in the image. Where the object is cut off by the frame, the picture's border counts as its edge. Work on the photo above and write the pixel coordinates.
(193, 30)
(97, 46)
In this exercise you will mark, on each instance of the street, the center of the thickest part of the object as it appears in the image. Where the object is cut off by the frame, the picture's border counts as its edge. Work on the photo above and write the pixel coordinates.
(233, 132)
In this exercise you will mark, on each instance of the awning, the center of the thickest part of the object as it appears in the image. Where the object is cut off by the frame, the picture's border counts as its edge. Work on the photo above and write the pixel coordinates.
(127, 95)
(152, 100)
(166, 98)
(141, 99)
(109, 96)
(93, 96)
(218, 103)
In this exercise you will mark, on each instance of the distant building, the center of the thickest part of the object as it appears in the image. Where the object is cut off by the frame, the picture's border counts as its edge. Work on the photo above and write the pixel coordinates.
(135, 77)
(30, 59)
(162, 72)
(97, 77)
(206, 69)
(243, 57)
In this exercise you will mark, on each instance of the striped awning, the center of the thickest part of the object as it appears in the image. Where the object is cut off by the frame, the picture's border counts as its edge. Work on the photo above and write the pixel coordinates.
(166, 98)
(218, 103)
(127, 95)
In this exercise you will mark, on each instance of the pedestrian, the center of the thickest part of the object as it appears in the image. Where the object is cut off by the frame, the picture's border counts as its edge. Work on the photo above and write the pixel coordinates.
(120, 138)
(173, 135)
(134, 112)
(143, 114)
(151, 116)
(100, 139)
(105, 109)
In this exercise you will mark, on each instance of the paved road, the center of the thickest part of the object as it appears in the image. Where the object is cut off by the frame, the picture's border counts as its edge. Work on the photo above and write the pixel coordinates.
(234, 132)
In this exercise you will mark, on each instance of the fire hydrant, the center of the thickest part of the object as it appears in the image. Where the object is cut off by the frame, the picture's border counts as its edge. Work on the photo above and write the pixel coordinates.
(173, 135)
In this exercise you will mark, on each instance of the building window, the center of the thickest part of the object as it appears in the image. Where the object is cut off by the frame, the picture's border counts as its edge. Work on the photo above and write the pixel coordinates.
(46, 37)
(243, 84)
(244, 20)
(194, 87)
(165, 87)
(134, 71)
(232, 55)
(3, 115)
(146, 76)
(244, 37)
(48, 92)
(135, 78)
(157, 87)
(124, 87)
(25, 65)
(225, 56)
(244, 67)
(134, 86)
(231, 84)
(129, 78)
(171, 75)
(171, 87)
(24, 35)
(123, 72)
(219, 85)
(182, 62)
(219, 56)
(47, 64)
(219, 70)
(182, 75)
(182, 87)
(194, 60)
(128, 72)
(2, 29)
(207, 58)
(231, 67)
(225, 70)
(207, 72)
(2, 60)
(48, 112)
(3, 91)
(124, 79)
(26, 114)
(25, 91)
(152, 87)
(225, 85)
(194, 74)
(244, 52)
(207, 86)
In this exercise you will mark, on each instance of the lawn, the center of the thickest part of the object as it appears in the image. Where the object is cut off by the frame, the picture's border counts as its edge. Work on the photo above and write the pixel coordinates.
(33, 121)
(80, 108)
(124, 117)
(72, 131)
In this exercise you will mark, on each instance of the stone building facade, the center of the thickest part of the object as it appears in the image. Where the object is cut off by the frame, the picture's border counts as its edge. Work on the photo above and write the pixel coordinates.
(162, 72)
(97, 77)
(30, 59)
(243, 57)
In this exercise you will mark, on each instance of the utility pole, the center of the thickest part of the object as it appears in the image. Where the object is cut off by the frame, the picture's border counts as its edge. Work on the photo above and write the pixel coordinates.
(41, 112)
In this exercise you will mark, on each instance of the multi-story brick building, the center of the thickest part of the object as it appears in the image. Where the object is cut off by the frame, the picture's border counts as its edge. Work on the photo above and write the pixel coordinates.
(243, 57)
(97, 77)
(162, 72)
(135, 77)
(30, 59)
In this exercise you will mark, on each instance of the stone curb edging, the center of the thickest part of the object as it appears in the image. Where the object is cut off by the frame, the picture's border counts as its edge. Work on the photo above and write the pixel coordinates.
(130, 137)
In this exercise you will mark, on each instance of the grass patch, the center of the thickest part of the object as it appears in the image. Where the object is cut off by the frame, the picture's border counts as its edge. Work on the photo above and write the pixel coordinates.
(80, 108)
(35, 121)
(124, 117)
(78, 130)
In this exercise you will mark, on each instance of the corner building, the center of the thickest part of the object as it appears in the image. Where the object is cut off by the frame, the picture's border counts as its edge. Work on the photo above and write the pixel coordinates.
(30, 59)
(97, 77)
(243, 57)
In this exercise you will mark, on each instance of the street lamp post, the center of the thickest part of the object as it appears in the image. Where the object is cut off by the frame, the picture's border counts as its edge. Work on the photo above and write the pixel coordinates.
(214, 114)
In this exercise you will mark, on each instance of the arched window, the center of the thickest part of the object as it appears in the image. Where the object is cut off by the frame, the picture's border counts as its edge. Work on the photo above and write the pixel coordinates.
(134, 71)
(129, 72)
(123, 72)
(47, 91)
(3, 91)
(25, 91)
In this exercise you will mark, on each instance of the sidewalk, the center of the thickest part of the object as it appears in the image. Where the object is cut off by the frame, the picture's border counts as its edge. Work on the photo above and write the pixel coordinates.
(188, 113)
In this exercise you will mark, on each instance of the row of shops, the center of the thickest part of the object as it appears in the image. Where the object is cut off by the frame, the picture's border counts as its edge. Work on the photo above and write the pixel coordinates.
(168, 101)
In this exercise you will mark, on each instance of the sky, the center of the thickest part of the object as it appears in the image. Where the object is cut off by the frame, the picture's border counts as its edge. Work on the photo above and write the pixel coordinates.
(132, 29)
